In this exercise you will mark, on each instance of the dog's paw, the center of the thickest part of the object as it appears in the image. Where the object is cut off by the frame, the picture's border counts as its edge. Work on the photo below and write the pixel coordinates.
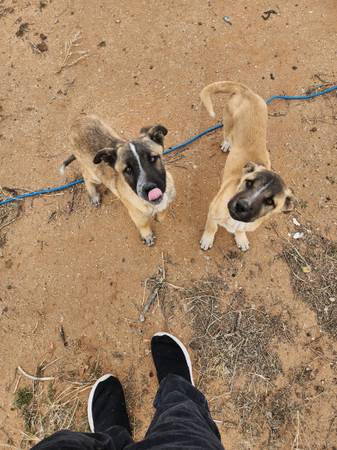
(225, 146)
(149, 240)
(242, 242)
(206, 242)
(95, 200)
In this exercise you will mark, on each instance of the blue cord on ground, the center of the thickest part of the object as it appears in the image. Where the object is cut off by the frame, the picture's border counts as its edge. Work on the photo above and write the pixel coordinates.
(171, 149)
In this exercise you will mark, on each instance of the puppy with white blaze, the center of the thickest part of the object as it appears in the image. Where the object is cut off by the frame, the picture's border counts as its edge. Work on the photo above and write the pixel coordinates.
(132, 169)
(250, 191)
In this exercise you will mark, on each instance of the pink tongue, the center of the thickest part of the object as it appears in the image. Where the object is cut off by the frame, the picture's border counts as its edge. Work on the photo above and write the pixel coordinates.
(154, 194)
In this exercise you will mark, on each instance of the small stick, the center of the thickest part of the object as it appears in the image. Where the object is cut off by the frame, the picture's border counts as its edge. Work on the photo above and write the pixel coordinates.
(8, 223)
(150, 301)
(51, 363)
(154, 294)
(63, 336)
(296, 439)
(34, 378)
(17, 384)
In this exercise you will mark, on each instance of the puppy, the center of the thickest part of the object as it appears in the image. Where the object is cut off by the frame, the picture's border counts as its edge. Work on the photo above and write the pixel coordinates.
(132, 169)
(250, 191)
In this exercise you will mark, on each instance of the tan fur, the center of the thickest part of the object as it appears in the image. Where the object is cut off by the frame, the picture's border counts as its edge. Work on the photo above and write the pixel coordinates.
(88, 135)
(244, 129)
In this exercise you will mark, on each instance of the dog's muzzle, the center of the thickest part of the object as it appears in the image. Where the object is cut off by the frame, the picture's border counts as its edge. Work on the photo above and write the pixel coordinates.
(241, 210)
(152, 193)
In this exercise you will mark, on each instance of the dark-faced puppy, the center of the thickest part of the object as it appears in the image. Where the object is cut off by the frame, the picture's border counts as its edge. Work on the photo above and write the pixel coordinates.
(132, 169)
(249, 192)
(140, 163)
(261, 192)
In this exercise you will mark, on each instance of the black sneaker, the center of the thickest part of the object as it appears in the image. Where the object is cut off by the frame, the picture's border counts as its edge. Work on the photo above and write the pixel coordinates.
(106, 405)
(170, 356)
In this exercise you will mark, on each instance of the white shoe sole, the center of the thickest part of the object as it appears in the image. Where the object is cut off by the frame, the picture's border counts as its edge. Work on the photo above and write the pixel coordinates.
(183, 348)
(91, 398)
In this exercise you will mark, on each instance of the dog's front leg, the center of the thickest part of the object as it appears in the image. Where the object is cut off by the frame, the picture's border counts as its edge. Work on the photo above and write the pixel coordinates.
(142, 222)
(208, 236)
(241, 240)
(160, 216)
(94, 195)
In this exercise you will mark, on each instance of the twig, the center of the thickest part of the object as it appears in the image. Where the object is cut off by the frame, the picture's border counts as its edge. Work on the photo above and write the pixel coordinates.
(69, 52)
(63, 336)
(8, 223)
(297, 436)
(159, 282)
(9, 446)
(17, 384)
(43, 368)
(34, 378)
(34, 48)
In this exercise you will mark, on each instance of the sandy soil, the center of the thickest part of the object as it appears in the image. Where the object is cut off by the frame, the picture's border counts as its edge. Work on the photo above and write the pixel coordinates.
(66, 263)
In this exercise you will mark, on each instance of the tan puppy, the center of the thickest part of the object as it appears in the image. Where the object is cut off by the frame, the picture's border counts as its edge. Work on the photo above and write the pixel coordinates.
(250, 191)
(132, 169)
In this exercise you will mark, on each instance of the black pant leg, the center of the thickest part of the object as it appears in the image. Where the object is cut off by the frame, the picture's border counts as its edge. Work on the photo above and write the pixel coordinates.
(115, 438)
(182, 420)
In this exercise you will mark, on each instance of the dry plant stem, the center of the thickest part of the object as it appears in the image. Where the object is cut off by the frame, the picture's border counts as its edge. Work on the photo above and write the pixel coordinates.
(159, 282)
(8, 223)
(69, 52)
(34, 378)
(295, 445)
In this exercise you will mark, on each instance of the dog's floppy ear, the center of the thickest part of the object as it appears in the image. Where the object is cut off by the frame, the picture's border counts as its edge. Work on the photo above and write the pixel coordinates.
(289, 202)
(156, 133)
(108, 155)
(249, 167)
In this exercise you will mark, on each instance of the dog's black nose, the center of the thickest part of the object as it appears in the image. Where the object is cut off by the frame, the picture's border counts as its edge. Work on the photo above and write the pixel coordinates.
(148, 187)
(242, 206)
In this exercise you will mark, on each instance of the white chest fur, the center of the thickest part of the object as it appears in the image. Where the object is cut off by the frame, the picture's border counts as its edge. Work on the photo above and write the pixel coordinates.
(162, 205)
(234, 226)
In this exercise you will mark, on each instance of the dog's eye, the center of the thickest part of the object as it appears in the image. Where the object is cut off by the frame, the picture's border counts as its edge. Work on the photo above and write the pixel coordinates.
(269, 201)
(128, 170)
(154, 158)
(249, 184)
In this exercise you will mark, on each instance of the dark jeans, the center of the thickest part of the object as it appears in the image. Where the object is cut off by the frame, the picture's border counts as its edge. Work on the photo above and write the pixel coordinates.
(182, 421)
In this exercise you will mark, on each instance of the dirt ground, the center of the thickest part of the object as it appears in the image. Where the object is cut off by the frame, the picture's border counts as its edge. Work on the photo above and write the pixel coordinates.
(66, 264)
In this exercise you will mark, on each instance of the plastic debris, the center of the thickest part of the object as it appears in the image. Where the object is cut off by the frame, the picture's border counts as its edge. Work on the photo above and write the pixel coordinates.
(227, 19)
(296, 222)
(298, 235)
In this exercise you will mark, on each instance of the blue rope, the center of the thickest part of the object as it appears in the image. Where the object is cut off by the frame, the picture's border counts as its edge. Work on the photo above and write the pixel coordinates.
(189, 141)
(171, 149)
(42, 191)
(301, 97)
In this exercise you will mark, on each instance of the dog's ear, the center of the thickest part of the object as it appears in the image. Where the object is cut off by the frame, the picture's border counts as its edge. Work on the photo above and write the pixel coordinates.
(249, 167)
(155, 133)
(289, 202)
(108, 155)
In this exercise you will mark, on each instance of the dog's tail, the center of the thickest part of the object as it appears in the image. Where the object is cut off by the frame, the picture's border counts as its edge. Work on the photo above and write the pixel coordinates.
(226, 87)
(66, 163)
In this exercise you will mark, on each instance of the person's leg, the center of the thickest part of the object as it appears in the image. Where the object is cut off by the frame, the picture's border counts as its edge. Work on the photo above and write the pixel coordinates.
(72, 440)
(108, 420)
(182, 419)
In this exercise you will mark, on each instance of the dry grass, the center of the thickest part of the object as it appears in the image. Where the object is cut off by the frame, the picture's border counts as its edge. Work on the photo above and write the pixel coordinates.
(234, 345)
(134, 398)
(239, 367)
(53, 406)
(9, 213)
(235, 340)
(313, 265)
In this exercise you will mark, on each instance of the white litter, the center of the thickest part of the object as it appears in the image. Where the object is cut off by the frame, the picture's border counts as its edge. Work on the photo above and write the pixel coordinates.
(296, 222)
(298, 235)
